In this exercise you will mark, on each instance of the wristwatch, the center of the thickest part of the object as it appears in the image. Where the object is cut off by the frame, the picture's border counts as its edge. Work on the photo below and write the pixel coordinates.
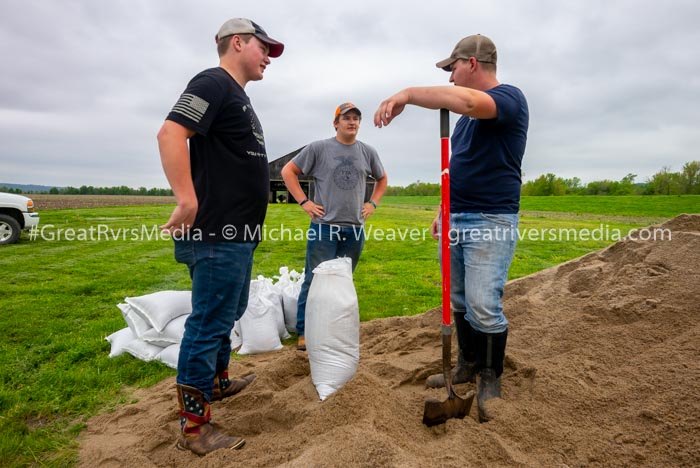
(301, 203)
(373, 204)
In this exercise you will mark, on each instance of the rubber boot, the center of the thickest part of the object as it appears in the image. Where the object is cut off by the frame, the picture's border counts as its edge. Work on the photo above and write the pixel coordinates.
(198, 434)
(225, 387)
(491, 351)
(465, 370)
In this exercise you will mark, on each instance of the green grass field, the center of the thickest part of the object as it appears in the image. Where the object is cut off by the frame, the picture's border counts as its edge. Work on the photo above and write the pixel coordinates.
(625, 206)
(59, 298)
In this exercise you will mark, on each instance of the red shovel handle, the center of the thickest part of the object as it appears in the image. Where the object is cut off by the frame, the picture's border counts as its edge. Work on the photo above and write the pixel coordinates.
(445, 214)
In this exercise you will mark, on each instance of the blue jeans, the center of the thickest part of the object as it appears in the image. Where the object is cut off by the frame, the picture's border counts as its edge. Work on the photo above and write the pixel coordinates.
(220, 274)
(481, 249)
(326, 242)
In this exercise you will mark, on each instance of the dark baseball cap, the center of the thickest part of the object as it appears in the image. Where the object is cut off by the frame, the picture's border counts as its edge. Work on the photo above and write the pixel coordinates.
(480, 47)
(246, 26)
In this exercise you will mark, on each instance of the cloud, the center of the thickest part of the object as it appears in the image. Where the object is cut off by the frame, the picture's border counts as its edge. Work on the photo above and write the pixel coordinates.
(612, 87)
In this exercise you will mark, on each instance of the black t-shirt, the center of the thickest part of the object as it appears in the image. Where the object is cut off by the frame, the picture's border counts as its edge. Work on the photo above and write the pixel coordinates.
(227, 156)
(485, 168)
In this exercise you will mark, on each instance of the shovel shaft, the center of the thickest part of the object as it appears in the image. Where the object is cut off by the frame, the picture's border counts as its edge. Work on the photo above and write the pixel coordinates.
(445, 214)
(445, 248)
(435, 411)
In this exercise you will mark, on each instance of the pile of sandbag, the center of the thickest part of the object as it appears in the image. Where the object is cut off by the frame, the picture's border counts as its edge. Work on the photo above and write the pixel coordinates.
(156, 322)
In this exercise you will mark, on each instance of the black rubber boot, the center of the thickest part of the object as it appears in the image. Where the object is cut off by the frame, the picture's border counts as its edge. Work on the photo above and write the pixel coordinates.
(465, 370)
(491, 351)
(465, 338)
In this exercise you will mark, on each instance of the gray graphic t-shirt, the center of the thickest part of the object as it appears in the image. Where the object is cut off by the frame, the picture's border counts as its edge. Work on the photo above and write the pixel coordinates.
(340, 174)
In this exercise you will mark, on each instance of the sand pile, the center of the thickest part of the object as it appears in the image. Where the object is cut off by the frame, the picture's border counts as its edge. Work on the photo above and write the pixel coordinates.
(602, 368)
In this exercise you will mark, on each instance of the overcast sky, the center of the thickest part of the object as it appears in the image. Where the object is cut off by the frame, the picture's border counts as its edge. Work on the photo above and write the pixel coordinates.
(613, 86)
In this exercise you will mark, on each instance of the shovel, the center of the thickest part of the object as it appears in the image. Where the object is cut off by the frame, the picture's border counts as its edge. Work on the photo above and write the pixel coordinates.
(436, 411)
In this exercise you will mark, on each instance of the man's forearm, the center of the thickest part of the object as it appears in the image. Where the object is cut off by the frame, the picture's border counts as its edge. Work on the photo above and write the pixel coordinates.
(291, 181)
(457, 99)
(379, 189)
(175, 158)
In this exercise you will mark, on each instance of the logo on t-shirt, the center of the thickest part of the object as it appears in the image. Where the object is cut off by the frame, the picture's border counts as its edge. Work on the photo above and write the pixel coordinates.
(191, 106)
(257, 131)
(346, 176)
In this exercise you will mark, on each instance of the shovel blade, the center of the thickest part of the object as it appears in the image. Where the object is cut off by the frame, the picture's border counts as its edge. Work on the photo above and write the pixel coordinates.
(438, 412)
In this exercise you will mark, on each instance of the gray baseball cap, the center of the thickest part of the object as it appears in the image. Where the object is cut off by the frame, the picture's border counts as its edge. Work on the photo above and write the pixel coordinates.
(480, 47)
(246, 26)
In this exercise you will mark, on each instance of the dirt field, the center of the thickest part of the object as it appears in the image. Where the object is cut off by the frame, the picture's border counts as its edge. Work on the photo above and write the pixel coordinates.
(58, 202)
(602, 369)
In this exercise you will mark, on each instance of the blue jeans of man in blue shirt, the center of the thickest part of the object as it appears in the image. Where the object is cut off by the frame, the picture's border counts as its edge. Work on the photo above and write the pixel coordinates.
(481, 250)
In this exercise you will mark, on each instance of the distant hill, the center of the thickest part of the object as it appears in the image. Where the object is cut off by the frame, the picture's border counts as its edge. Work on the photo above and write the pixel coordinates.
(27, 188)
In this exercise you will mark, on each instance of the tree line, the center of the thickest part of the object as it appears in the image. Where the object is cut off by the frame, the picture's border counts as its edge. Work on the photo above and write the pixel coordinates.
(664, 182)
(90, 190)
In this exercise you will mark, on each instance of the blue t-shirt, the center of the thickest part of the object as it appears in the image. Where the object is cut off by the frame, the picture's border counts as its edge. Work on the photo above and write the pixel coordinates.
(485, 175)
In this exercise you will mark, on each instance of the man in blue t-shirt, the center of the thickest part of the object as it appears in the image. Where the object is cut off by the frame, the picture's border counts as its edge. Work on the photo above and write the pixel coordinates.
(485, 177)
(213, 153)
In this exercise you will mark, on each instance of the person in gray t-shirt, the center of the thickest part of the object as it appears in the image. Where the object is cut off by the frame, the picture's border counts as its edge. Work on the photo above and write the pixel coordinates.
(339, 166)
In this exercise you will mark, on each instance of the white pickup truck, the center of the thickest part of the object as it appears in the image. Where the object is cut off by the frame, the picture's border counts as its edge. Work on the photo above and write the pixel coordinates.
(16, 214)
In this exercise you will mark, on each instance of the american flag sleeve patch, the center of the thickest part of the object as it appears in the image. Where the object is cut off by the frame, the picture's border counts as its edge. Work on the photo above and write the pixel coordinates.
(191, 106)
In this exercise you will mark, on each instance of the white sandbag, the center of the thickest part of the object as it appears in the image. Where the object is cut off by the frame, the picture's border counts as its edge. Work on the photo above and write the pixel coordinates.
(282, 278)
(171, 334)
(286, 276)
(161, 307)
(271, 293)
(119, 340)
(332, 326)
(259, 327)
(290, 298)
(142, 350)
(169, 355)
(137, 325)
(236, 336)
(282, 281)
(290, 286)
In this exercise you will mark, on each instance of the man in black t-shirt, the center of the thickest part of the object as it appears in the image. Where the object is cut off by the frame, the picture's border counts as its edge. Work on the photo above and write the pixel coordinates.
(221, 182)
(487, 150)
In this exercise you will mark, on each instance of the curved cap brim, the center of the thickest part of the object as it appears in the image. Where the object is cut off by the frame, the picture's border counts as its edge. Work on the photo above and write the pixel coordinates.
(446, 64)
(276, 47)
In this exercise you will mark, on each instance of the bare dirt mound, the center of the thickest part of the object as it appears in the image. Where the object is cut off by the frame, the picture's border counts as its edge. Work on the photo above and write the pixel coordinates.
(602, 368)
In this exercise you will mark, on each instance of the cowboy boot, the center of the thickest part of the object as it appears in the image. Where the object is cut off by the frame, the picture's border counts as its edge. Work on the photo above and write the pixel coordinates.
(198, 434)
(225, 387)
